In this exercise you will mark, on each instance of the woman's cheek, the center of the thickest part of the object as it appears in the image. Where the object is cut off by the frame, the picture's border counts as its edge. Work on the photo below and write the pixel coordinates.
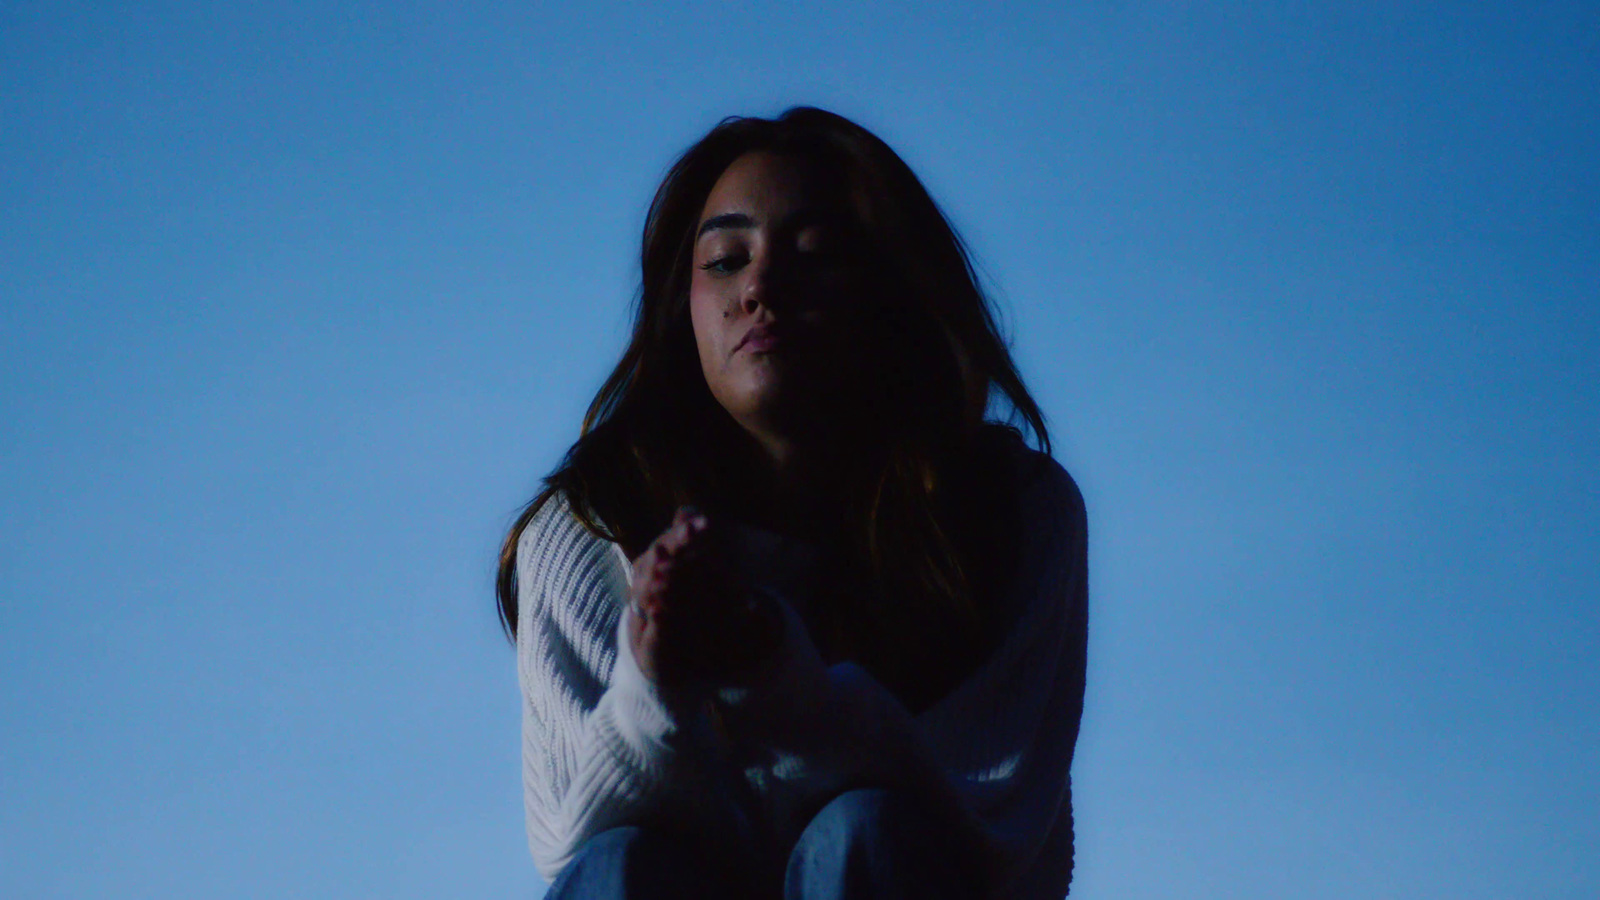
(705, 320)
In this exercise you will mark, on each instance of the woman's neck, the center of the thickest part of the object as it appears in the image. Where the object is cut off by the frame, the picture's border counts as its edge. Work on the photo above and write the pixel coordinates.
(796, 488)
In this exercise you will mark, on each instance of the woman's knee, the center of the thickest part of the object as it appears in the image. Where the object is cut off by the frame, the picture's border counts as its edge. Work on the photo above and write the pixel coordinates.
(874, 841)
(865, 814)
(630, 863)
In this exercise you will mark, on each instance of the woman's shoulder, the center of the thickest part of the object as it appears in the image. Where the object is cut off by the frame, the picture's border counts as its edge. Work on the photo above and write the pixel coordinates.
(1048, 490)
(555, 519)
(571, 588)
(557, 546)
(1048, 553)
(1041, 487)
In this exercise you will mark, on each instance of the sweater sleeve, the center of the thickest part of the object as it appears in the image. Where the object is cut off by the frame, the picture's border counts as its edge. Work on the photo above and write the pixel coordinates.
(998, 747)
(601, 747)
(1006, 735)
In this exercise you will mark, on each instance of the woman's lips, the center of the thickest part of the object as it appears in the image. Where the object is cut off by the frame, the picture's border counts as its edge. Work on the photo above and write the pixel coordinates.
(760, 339)
(761, 343)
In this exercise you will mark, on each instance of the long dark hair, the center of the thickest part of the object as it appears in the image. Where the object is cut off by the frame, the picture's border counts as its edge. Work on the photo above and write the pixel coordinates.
(654, 438)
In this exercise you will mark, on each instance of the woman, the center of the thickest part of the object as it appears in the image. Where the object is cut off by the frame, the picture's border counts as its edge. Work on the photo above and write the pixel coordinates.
(792, 619)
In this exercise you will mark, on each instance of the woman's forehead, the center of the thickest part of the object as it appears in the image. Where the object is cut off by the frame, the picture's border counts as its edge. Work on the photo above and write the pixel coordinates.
(764, 186)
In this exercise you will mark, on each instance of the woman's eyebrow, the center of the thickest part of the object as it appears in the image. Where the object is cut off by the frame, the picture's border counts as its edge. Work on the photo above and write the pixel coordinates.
(799, 219)
(726, 220)
(813, 215)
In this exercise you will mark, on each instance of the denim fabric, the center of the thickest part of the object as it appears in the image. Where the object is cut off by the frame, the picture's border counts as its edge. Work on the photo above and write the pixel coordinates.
(647, 864)
(874, 844)
(868, 844)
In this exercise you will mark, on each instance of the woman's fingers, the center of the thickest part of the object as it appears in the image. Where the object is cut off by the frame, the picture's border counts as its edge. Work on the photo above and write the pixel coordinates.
(681, 542)
(680, 536)
(693, 623)
(670, 560)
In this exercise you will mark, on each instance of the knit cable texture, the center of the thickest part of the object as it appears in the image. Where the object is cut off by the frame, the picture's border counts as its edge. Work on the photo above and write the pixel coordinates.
(603, 747)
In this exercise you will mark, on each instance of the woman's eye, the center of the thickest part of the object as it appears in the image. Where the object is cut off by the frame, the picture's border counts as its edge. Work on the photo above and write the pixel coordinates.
(826, 257)
(821, 247)
(723, 265)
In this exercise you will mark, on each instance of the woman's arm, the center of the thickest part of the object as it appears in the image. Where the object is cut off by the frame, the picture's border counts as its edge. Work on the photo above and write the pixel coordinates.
(998, 747)
(602, 746)
(1006, 735)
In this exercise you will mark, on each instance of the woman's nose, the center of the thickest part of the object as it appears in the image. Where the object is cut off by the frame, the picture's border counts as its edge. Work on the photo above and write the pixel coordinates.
(762, 288)
(754, 298)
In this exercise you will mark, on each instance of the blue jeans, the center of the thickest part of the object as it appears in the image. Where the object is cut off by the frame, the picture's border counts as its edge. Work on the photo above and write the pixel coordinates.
(868, 844)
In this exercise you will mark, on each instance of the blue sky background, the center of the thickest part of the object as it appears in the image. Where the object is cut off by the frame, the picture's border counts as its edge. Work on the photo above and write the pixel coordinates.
(298, 300)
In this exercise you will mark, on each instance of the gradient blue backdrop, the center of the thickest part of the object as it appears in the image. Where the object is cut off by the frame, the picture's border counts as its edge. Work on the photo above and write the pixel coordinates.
(298, 300)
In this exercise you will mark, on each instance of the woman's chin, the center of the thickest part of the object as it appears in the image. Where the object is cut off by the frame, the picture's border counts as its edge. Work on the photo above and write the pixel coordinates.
(772, 394)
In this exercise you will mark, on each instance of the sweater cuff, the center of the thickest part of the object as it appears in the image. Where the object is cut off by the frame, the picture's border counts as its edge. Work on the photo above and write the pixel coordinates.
(648, 718)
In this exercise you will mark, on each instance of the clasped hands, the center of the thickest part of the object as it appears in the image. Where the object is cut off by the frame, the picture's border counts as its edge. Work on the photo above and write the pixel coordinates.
(693, 618)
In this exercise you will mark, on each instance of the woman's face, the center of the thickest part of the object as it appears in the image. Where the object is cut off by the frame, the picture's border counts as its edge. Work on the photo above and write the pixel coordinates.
(774, 292)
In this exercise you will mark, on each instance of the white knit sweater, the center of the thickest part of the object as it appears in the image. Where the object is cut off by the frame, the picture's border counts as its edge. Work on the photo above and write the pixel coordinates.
(603, 747)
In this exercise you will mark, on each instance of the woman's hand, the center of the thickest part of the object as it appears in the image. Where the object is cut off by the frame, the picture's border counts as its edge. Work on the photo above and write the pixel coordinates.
(692, 618)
